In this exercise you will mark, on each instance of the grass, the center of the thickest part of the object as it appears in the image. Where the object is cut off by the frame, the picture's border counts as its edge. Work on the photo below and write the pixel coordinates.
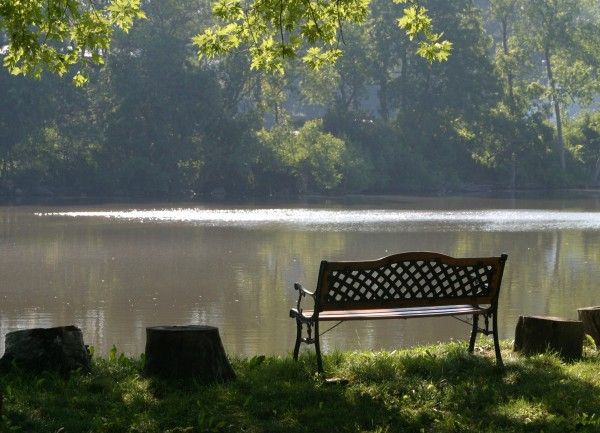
(427, 389)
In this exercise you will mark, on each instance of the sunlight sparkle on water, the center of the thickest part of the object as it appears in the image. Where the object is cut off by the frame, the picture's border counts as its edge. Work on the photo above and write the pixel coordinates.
(364, 220)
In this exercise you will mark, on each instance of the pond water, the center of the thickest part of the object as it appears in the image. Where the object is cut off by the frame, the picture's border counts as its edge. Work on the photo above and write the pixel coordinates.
(115, 269)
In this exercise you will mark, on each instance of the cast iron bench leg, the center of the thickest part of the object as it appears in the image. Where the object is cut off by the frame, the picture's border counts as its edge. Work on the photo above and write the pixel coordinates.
(474, 332)
(318, 348)
(298, 339)
(496, 342)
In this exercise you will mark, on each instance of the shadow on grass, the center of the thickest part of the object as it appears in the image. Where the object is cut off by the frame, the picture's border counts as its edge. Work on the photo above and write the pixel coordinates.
(277, 395)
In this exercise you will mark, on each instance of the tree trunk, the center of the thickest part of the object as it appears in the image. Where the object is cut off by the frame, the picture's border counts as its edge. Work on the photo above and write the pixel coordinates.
(187, 351)
(560, 147)
(403, 106)
(590, 317)
(512, 106)
(596, 174)
(509, 75)
(384, 111)
(535, 334)
(58, 349)
(513, 171)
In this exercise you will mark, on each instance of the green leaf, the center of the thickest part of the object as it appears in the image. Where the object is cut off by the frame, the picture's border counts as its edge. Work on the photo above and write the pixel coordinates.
(79, 79)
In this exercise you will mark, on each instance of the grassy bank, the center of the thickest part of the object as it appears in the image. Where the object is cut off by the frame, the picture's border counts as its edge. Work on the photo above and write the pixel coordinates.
(431, 389)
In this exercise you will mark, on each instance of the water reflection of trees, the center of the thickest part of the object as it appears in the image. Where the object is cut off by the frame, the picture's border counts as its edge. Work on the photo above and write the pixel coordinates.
(114, 279)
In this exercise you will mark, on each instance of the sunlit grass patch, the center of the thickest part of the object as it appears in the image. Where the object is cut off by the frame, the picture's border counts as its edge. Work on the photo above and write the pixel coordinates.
(525, 412)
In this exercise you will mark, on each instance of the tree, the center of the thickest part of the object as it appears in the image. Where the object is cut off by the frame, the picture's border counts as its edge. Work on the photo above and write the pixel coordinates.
(156, 120)
(584, 137)
(548, 30)
(547, 64)
(278, 30)
(159, 104)
(389, 54)
(340, 87)
(305, 159)
(504, 13)
(511, 111)
(57, 34)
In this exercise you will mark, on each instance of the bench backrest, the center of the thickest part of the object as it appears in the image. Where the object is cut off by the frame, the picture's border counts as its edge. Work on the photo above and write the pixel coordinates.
(413, 279)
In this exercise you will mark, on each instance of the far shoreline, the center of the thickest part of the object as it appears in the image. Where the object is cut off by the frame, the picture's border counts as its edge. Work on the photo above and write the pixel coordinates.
(67, 200)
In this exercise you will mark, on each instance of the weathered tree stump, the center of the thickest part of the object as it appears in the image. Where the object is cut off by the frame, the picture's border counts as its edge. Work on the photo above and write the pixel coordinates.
(537, 334)
(58, 349)
(187, 351)
(590, 316)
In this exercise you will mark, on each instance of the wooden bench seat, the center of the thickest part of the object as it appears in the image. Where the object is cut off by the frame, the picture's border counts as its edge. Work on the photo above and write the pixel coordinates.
(395, 313)
(402, 286)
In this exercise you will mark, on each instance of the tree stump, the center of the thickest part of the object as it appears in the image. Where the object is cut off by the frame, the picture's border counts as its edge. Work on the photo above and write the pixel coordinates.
(536, 334)
(187, 351)
(590, 316)
(58, 349)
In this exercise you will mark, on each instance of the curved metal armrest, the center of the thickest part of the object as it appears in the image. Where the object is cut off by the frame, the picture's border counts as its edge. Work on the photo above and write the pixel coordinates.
(302, 292)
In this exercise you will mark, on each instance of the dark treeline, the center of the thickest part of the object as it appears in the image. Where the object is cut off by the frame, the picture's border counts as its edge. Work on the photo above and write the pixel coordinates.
(513, 107)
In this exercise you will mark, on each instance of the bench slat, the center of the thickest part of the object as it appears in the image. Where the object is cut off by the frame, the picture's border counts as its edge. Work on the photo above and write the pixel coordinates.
(394, 313)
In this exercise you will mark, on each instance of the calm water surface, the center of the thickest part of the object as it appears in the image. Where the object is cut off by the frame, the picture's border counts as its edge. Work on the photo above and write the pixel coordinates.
(115, 269)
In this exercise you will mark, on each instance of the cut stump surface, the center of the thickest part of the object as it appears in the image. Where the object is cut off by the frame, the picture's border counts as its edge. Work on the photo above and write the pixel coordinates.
(185, 352)
(538, 334)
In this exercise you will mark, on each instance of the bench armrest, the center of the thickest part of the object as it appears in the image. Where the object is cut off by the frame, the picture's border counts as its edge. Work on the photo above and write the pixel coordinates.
(302, 292)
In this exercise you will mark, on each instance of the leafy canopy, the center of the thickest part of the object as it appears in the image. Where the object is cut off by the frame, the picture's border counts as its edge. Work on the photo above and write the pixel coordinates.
(56, 34)
(277, 30)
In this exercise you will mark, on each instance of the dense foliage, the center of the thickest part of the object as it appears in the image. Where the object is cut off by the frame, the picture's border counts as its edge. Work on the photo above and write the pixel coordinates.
(276, 30)
(426, 389)
(57, 34)
(512, 107)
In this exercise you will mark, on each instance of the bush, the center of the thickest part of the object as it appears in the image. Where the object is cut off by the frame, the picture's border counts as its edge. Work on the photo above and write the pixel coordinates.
(307, 159)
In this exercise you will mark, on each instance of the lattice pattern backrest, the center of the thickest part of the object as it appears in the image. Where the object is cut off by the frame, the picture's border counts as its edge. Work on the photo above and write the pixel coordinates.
(407, 280)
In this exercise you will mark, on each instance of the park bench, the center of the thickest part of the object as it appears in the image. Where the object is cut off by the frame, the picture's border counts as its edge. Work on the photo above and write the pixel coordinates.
(402, 286)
